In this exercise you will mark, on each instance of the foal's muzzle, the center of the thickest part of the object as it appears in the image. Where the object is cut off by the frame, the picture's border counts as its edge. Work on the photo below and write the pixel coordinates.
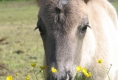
(60, 77)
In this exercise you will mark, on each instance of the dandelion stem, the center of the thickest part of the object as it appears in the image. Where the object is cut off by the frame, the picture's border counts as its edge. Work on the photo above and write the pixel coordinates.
(109, 69)
(35, 74)
(85, 78)
(108, 77)
(44, 75)
(48, 75)
(76, 76)
(107, 72)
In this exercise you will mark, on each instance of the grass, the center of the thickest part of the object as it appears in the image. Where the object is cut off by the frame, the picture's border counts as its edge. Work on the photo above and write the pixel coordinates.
(23, 45)
(115, 4)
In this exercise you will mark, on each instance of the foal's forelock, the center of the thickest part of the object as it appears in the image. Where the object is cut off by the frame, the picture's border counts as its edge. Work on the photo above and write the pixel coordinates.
(62, 14)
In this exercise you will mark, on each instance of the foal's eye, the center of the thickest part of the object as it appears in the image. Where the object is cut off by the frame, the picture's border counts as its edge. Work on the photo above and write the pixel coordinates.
(84, 28)
(41, 30)
(41, 27)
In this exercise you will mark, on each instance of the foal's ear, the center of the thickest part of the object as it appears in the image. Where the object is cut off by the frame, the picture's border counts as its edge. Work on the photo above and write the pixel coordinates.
(86, 1)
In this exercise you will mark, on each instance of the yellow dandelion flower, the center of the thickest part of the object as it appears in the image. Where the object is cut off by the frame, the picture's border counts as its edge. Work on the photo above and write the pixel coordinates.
(9, 78)
(53, 70)
(28, 77)
(43, 67)
(99, 61)
(33, 64)
(84, 70)
(86, 73)
(79, 68)
(89, 74)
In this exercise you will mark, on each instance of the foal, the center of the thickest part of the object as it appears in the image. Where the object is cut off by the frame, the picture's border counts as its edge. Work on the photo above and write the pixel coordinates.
(78, 33)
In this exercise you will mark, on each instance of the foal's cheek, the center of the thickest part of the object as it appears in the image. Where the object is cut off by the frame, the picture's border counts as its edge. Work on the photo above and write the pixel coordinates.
(44, 40)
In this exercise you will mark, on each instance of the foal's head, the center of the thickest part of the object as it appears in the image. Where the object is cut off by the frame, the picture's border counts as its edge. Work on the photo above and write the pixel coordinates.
(63, 25)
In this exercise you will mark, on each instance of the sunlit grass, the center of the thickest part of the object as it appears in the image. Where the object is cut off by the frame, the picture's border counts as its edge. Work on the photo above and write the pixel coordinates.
(18, 14)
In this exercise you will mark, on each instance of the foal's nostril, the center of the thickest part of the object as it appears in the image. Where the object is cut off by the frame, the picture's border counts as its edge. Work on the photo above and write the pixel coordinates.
(58, 77)
(68, 77)
(52, 77)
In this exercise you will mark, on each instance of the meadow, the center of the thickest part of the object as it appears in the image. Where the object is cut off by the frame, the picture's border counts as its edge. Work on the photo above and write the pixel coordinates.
(22, 45)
